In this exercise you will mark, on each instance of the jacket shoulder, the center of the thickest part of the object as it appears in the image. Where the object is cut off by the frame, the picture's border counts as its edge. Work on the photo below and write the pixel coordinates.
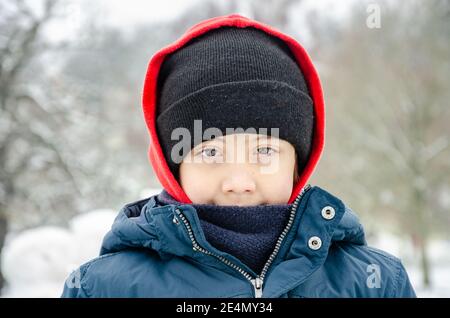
(375, 272)
(357, 271)
(93, 278)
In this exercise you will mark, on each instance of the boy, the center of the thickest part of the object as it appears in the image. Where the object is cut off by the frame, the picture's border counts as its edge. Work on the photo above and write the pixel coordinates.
(235, 114)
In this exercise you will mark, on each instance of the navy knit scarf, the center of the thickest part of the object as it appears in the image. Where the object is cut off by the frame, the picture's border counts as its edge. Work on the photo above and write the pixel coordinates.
(248, 233)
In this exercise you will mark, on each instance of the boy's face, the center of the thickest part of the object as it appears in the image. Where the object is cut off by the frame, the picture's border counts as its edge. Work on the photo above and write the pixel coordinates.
(240, 169)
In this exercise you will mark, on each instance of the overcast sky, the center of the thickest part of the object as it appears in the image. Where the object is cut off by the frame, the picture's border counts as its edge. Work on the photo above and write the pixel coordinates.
(127, 14)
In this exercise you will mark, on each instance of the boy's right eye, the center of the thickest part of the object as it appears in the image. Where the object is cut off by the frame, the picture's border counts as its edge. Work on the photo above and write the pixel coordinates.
(210, 154)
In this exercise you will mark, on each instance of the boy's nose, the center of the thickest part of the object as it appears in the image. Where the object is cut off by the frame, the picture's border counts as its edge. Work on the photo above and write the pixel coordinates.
(238, 181)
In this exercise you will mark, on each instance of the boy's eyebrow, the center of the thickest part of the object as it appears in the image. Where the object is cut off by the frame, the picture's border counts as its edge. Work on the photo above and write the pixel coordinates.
(222, 140)
(207, 142)
(219, 140)
(264, 137)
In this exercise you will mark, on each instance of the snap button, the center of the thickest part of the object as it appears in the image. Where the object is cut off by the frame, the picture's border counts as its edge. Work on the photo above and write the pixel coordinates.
(328, 212)
(314, 243)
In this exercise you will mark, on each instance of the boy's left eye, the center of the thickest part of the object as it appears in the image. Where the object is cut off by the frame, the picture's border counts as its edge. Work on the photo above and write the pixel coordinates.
(265, 150)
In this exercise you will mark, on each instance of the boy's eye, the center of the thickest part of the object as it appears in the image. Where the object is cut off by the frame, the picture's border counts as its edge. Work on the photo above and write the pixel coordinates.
(265, 150)
(265, 155)
(210, 152)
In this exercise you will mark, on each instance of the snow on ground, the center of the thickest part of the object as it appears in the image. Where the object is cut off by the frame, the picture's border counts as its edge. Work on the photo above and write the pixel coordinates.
(440, 277)
(36, 262)
(439, 252)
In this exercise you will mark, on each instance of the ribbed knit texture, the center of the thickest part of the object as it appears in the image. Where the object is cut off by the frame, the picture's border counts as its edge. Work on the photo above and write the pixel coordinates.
(225, 55)
(234, 77)
(248, 233)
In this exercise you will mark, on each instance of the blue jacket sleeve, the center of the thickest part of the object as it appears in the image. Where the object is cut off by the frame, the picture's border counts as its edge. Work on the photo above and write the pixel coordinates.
(404, 288)
(73, 286)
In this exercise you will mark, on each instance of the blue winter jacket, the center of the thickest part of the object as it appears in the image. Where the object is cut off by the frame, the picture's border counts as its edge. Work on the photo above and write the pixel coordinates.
(161, 251)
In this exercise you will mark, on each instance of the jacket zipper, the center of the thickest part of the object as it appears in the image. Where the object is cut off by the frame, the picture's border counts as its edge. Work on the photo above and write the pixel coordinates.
(257, 282)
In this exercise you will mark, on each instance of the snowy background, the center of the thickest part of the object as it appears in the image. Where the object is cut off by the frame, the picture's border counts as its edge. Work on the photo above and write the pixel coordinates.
(73, 142)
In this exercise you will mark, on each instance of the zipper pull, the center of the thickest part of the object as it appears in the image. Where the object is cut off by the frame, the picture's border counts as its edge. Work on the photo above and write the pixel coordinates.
(257, 285)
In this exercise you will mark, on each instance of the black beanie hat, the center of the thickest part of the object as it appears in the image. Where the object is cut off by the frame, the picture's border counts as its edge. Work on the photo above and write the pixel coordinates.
(234, 77)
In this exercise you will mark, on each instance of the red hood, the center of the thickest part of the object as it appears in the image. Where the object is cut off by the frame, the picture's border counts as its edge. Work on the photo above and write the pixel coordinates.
(155, 153)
